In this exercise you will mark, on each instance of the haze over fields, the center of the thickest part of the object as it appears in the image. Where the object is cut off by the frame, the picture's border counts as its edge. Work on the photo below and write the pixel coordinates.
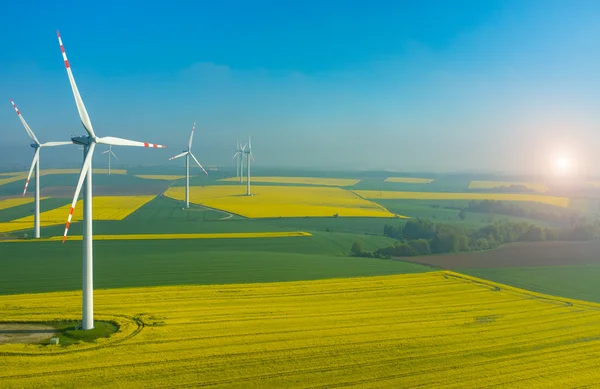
(494, 85)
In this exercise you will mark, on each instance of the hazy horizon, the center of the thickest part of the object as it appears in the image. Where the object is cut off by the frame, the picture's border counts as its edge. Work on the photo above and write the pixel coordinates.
(441, 87)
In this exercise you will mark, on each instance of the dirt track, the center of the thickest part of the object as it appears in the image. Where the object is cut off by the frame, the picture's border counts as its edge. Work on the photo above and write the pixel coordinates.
(517, 255)
(25, 333)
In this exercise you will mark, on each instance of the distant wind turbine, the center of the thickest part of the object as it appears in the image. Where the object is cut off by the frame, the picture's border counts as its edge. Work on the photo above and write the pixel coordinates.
(188, 153)
(109, 152)
(36, 162)
(249, 156)
(88, 142)
(240, 160)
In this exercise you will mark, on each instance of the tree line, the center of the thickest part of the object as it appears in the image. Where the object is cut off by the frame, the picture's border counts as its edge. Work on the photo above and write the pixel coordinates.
(423, 237)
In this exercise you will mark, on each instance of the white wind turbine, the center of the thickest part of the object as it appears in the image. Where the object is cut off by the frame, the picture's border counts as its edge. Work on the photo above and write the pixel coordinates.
(88, 142)
(248, 152)
(188, 153)
(36, 162)
(239, 153)
(109, 152)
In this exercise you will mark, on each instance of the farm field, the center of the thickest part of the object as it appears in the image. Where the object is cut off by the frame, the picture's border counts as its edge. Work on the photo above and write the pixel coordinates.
(319, 181)
(393, 195)
(447, 211)
(541, 188)
(436, 329)
(130, 263)
(569, 269)
(410, 180)
(105, 208)
(22, 176)
(225, 235)
(15, 202)
(166, 177)
(281, 201)
(27, 209)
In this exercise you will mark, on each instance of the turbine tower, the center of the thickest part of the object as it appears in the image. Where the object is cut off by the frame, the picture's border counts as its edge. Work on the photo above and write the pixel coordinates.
(249, 156)
(109, 152)
(239, 153)
(88, 142)
(188, 153)
(36, 162)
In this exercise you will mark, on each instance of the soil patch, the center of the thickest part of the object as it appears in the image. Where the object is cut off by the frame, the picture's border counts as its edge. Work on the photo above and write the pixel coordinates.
(25, 333)
(518, 255)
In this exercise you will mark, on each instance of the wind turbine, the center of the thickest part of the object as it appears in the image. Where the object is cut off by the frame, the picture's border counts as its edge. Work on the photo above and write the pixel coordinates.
(249, 155)
(88, 142)
(109, 151)
(36, 145)
(240, 160)
(188, 154)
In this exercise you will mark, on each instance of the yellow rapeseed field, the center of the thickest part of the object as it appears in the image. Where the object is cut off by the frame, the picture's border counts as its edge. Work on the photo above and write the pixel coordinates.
(410, 180)
(105, 208)
(281, 201)
(216, 235)
(14, 178)
(320, 181)
(499, 184)
(166, 177)
(15, 202)
(428, 330)
(393, 195)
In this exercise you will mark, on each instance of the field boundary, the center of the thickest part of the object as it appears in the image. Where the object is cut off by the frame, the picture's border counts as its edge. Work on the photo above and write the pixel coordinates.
(539, 296)
(207, 235)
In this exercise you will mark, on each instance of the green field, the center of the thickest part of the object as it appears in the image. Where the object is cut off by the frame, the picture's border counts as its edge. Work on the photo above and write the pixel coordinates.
(578, 282)
(28, 209)
(446, 211)
(52, 266)
(49, 266)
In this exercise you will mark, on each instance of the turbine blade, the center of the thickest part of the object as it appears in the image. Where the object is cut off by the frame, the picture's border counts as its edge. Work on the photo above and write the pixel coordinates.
(178, 155)
(192, 155)
(36, 157)
(50, 144)
(111, 140)
(191, 136)
(113, 154)
(83, 115)
(84, 171)
(104, 152)
(29, 132)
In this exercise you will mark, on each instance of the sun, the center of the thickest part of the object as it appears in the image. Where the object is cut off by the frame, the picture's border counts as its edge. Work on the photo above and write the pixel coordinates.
(563, 164)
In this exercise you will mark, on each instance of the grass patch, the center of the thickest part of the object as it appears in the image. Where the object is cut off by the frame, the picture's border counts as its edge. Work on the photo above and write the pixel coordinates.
(70, 333)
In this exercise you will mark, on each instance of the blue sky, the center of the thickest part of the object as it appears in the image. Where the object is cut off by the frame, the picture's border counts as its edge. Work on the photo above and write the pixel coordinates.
(421, 85)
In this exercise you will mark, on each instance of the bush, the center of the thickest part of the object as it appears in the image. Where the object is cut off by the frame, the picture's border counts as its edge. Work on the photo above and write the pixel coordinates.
(357, 249)
(403, 250)
(419, 246)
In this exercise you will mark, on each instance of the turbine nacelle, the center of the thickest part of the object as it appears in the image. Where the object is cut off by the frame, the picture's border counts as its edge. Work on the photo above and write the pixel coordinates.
(83, 140)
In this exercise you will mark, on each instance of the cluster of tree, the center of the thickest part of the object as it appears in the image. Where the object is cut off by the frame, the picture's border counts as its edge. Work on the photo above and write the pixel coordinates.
(513, 209)
(422, 237)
